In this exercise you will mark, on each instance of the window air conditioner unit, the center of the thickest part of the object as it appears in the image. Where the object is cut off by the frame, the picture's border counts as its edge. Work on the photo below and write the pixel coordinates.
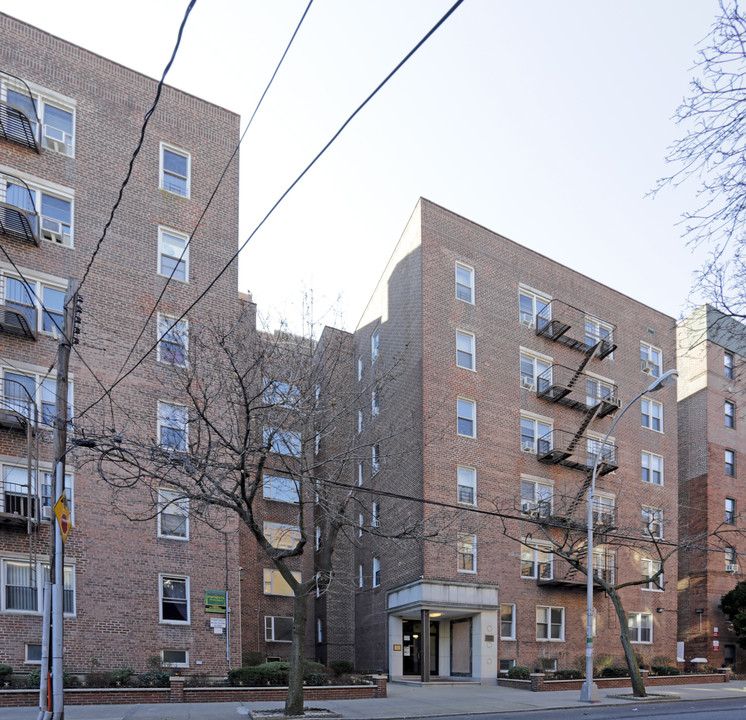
(731, 568)
(53, 230)
(527, 319)
(647, 366)
(46, 512)
(56, 139)
(527, 383)
(528, 507)
(527, 446)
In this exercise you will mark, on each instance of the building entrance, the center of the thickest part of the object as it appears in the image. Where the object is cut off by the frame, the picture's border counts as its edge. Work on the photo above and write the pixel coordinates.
(412, 647)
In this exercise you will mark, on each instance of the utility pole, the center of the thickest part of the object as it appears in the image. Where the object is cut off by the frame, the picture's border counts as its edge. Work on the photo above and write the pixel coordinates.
(55, 709)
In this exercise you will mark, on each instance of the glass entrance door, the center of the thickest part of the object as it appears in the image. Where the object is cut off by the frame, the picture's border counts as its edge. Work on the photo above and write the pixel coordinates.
(412, 647)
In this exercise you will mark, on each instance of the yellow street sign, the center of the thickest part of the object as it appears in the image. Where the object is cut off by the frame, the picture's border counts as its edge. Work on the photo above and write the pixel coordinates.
(62, 511)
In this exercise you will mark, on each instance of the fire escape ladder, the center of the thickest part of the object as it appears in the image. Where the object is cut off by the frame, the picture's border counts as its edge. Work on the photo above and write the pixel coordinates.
(589, 417)
(580, 494)
(586, 359)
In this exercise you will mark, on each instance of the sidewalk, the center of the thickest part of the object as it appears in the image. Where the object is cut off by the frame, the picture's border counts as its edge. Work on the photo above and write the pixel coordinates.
(403, 701)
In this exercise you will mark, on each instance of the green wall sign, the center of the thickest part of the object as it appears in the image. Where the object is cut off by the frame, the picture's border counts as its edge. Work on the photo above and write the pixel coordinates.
(215, 601)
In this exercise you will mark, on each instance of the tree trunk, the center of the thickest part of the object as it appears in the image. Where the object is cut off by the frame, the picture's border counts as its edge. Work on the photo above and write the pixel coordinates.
(638, 687)
(294, 700)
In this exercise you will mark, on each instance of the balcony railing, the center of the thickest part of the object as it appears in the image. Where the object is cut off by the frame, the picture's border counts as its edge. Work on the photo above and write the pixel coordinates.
(576, 328)
(563, 447)
(568, 577)
(561, 384)
(19, 122)
(18, 216)
(17, 407)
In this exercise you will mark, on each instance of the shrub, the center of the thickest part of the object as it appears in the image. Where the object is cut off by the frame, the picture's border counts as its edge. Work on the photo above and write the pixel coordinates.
(342, 667)
(614, 671)
(569, 675)
(665, 670)
(121, 677)
(5, 671)
(99, 679)
(153, 678)
(519, 672)
(276, 673)
(661, 660)
(34, 678)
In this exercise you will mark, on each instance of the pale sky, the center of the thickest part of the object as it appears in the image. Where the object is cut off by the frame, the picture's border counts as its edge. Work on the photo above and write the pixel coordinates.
(545, 121)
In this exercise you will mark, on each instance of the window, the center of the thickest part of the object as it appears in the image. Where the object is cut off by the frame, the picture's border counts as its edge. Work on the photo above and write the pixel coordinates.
(33, 653)
(728, 365)
(284, 442)
(359, 421)
(507, 621)
(174, 599)
(360, 576)
(281, 393)
(730, 414)
(375, 520)
(465, 350)
(58, 127)
(375, 405)
(23, 584)
(275, 584)
(466, 485)
(604, 564)
(19, 388)
(173, 515)
(640, 627)
(652, 468)
(652, 522)
(506, 664)
(360, 473)
(650, 359)
(359, 369)
(650, 568)
(14, 491)
(172, 426)
(730, 511)
(282, 536)
(536, 562)
(319, 631)
(550, 623)
(175, 170)
(316, 539)
(598, 331)
(375, 459)
(278, 629)
(603, 507)
(360, 525)
(375, 345)
(536, 498)
(175, 658)
(173, 254)
(536, 435)
(730, 560)
(530, 304)
(597, 390)
(535, 370)
(465, 283)
(652, 414)
(467, 552)
(376, 572)
(173, 337)
(282, 489)
(730, 463)
(40, 303)
(466, 417)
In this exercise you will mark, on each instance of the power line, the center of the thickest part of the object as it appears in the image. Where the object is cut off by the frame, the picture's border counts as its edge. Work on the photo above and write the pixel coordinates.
(407, 57)
(136, 152)
(214, 192)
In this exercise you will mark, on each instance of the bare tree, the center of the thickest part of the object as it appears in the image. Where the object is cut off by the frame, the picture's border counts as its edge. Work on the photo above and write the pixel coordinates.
(260, 407)
(711, 152)
(558, 523)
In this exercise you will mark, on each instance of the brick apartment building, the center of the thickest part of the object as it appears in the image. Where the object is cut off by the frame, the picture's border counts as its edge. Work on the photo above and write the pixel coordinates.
(69, 122)
(495, 373)
(711, 351)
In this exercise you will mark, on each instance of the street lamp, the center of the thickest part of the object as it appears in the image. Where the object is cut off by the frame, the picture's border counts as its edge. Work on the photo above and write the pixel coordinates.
(589, 691)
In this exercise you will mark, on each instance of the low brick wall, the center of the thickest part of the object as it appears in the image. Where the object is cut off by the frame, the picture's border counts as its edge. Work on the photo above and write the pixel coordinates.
(179, 693)
(539, 683)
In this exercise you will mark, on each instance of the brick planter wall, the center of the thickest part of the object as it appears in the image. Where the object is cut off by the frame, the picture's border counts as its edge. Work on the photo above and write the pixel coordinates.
(178, 693)
(539, 683)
